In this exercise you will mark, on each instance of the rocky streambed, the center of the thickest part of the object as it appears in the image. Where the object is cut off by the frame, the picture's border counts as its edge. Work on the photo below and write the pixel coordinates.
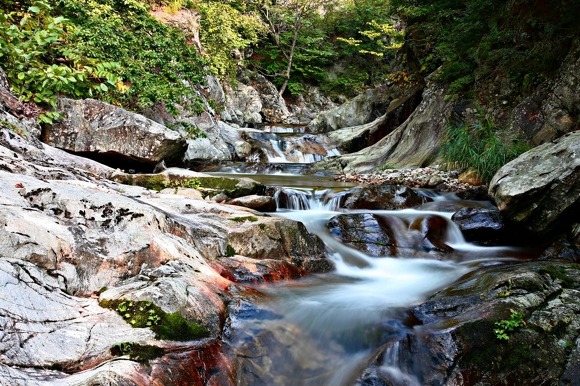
(106, 282)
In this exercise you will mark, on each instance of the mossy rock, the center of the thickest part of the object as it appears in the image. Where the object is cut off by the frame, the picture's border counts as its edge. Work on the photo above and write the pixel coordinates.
(144, 314)
(137, 352)
(208, 185)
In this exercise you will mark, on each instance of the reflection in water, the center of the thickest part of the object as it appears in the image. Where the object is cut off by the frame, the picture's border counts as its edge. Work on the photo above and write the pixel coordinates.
(328, 327)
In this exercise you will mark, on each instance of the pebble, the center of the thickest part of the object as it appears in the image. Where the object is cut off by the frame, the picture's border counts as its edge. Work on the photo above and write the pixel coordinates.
(428, 177)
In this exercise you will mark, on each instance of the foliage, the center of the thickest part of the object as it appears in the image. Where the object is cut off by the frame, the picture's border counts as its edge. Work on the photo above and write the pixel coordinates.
(521, 40)
(479, 146)
(225, 30)
(503, 327)
(144, 314)
(156, 63)
(35, 48)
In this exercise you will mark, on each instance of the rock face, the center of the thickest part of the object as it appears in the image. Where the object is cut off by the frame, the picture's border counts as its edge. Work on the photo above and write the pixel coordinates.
(252, 101)
(91, 126)
(541, 188)
(352, 139)
(360, 110)
(553, 110)
(456, 336)
(415, 143)
(70, 238)
(221, 142)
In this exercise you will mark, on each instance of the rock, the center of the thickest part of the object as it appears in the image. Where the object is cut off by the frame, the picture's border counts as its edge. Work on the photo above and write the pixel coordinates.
(541, 188)
(305, 107)
(415, 143)
(552, 110)
(91, 126)
(454, 339)
(243, 104)
(176, 179)
(352, 139)
(362, 109)
(386, 197)
(392, 236)
(483, 226)
(273, 105)
(470, 177)
(259, 203)
(70, 238)
(369, 233)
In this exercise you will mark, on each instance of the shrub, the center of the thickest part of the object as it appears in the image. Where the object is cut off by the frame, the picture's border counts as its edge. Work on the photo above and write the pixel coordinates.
(39, 63)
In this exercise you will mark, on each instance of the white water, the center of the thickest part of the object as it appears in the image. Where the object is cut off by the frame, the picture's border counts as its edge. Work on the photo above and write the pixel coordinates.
(336, 320)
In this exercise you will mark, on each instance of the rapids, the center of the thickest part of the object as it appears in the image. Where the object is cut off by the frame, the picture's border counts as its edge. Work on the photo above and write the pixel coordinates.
(325, 329)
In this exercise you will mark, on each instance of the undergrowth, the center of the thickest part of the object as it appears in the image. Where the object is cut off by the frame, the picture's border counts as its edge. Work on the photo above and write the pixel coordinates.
(478, 145)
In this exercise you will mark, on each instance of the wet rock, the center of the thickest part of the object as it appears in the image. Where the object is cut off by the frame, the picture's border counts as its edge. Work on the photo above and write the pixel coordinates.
(259, 203)
(369, 233)
(385, 197)
(541, 188)
(456, 338)
(482, 225)
(382, 235)
(91, 126)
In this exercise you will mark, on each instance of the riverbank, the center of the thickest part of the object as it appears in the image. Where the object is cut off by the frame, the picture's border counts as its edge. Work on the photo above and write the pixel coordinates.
(425, 178)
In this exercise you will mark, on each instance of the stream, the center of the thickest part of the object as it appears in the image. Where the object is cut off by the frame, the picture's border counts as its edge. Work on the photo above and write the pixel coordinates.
(326, 329)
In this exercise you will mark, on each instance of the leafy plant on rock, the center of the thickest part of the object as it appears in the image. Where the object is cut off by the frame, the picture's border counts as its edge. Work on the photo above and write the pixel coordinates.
(503, 327)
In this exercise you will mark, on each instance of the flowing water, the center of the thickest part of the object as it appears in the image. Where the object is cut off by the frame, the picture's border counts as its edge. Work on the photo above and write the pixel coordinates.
(326, 329)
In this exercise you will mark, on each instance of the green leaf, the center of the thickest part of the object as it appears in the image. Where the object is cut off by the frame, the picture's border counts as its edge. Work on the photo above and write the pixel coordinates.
(103, 87)
(21, 75)
(34, 9)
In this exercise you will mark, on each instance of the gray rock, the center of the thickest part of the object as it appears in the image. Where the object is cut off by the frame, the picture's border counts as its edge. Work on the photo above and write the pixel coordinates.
(360, 110)
(415, 143)
(68, 233)
(94, 126)
(541, 188)
(352, 139)
(259, 203)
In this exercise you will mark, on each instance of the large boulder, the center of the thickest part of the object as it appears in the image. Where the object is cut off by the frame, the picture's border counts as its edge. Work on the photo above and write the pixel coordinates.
(362, 109)
(92, 126)
(541, 188)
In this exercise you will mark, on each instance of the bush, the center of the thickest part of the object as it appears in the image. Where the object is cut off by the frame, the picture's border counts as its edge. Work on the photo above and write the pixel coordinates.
(479, 146)
(39, 63)
(156, 63)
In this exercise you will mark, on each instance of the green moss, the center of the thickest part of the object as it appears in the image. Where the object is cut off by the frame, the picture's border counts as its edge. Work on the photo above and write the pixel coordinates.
(230, 251)
(262, 226)
(559, 274)
(230, 186)
(244, 219)
(137, 352)
(144, 314)
(149, 181)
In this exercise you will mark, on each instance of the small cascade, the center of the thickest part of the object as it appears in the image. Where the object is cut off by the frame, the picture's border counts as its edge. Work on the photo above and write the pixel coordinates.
(289, 144)
(307, 199)
(392, 368)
